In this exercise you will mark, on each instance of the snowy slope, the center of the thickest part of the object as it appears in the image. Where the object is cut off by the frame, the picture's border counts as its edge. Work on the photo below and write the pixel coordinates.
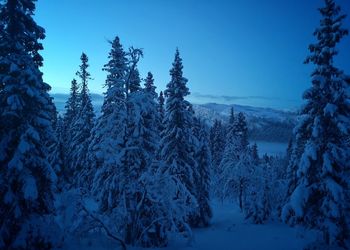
(228, 230)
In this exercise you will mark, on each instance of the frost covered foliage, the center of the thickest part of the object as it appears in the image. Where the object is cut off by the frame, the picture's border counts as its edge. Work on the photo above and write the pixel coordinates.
(266, 190)
(81, 126)
(137, 197)
(26, 177)
(217, 139)
(236, 163)
(177, 145)
(57, 152)
(320, 198)
(70, 115)
(161, 111)
(106, 144)
(257, 204)
(203, 213)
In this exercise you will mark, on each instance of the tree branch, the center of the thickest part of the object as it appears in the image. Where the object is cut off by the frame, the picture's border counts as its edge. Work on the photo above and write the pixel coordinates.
(108, 232)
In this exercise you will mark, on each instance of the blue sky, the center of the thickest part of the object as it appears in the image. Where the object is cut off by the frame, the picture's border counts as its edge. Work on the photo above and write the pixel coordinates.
(234, 51)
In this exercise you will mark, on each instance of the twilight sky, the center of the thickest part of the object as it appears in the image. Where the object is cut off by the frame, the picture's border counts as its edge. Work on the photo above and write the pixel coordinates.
(247, 52)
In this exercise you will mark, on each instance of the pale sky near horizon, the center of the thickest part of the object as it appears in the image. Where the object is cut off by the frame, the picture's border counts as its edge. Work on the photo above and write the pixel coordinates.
(248, 52)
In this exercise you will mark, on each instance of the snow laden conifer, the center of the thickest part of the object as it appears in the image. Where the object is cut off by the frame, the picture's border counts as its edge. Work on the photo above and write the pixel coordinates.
(106, 147)
(57, 153)
(224, 182)
(320, 198)
(145, 206)
(82, 125)
(177, 150)
(202, 181)
(236, 164)
(70, 115)
(161, 112)
(26, 177)
(217, 138)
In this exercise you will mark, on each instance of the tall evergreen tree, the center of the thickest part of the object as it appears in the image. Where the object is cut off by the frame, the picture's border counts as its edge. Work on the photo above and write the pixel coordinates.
(70, 115)
(236, 164)
(161, 111)
(255, 154)
(72, 108)
(202, 181)
(321, 198)
(177, 142)
(26, 177)
(106, 152)
(241, 130)
(57, 154)
(217, 144)
(82, 125)
(150, 88)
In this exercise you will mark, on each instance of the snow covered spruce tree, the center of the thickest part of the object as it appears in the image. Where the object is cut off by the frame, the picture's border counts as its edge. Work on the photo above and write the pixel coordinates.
(320, 199)
(235, 166)
(70, 115)
(161, 111)
(217, 144)
(141, 144)
(202, 181)
(255, 154)
(106, 152)
(224, 178)
(56, 154)
(26, 177)
(150, 89)
(257, 207)
(82, 126)
(177, 147)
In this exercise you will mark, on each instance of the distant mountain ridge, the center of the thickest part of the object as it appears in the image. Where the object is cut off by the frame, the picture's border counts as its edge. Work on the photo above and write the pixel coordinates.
(264, 124)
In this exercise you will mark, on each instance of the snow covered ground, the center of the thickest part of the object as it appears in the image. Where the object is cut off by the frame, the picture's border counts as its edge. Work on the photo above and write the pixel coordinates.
(229, 230)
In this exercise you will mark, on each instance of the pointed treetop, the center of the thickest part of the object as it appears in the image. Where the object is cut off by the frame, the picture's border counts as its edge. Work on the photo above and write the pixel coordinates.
(85, 77)
(232, 116)
(20, 30)
(116, 69)
(135, 80)
(149, 85)
(328, 35)
(177, 79)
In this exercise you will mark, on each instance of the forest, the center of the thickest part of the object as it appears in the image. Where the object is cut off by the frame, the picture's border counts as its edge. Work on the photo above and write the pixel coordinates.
(148, 171)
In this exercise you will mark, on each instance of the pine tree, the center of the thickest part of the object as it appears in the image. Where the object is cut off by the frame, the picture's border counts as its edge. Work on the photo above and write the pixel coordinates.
(72, 108)
(257, 204)
(150, 89)
(106, 147)
(236, 164)
(26, 177)
(134, 83)
(161, 111)
(82, 126)
(255, 154)
(241, 130)
(202, 181)
(320, 199)
(142, 209)
(71, 114)
(225, 177)
(57, 154)
(177, 141)
(217, 144)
